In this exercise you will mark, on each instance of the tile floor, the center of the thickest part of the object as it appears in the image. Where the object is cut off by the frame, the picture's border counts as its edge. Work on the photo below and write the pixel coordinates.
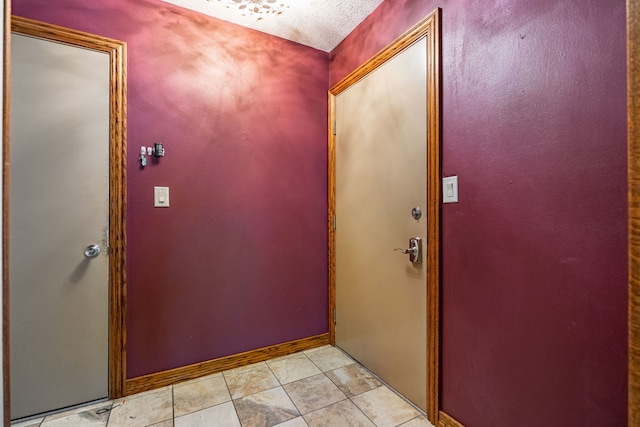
(319, 387)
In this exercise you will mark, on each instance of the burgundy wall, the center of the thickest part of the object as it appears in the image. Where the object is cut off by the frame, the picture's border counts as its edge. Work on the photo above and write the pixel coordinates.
(534, 254)
(239, 260)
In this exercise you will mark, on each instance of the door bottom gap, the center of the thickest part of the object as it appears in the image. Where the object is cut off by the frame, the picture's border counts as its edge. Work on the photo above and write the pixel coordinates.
(58, 411)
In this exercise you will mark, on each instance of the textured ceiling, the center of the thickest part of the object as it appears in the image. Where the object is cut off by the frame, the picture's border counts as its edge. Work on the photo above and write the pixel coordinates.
(321, 24)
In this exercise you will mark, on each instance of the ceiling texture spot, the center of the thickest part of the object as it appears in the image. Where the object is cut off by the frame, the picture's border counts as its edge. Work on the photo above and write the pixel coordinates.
(321, 24)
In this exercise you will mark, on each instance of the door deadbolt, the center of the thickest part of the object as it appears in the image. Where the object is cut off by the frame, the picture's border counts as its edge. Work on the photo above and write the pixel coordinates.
(416, 213)
(92, 251)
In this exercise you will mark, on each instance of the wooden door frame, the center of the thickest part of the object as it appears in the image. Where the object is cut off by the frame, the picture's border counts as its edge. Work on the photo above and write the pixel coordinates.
(633, 164)
(6, 50)
(117, 188)
(429, 27)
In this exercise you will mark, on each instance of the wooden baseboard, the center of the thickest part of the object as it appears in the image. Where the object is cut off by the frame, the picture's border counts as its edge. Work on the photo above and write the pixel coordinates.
(445, 420)
(172, 376)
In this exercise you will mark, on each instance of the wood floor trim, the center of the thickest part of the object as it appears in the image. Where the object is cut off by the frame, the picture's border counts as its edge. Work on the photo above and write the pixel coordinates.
(445, 420)
(184, 373)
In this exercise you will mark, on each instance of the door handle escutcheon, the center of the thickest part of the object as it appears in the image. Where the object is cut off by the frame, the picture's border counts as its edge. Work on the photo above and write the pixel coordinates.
(414, 251)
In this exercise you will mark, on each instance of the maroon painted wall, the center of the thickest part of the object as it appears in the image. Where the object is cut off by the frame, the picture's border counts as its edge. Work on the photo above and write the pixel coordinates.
(239, 260)
(534, 254)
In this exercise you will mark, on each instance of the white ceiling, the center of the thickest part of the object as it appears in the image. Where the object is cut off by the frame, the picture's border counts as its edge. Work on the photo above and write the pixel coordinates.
(321, 24)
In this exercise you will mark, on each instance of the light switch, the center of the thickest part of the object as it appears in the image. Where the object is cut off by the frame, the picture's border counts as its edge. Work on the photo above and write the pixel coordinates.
(161, 197)
(450, 189)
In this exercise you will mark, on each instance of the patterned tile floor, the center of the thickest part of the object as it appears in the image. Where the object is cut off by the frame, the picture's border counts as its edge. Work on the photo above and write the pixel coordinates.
(319, 387)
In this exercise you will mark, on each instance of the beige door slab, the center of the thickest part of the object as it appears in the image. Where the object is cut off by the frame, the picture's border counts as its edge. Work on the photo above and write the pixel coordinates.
(67, 192)
(384, 161)
(381, 162)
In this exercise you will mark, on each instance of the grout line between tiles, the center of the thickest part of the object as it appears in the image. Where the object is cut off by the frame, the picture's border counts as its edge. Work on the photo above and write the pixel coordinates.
(109, 412)
(301, 379)
(384, 383)
(362, 412)
(350, 399)
(294, 403)
(274, 374)
(173, 407)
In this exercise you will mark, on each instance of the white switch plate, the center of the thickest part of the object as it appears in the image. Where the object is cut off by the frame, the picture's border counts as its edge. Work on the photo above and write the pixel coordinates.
(161, 197)
(450, 189)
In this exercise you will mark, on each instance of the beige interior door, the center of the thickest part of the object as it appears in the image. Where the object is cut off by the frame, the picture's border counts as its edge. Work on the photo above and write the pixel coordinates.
(381, 175)
(59, 205)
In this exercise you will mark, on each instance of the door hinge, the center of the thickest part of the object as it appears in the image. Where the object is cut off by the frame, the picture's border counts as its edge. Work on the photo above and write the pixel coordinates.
(334, 316)
(334, 222)
(334, 128)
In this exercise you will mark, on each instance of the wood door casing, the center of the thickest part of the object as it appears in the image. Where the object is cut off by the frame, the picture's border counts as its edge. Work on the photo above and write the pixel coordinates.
(633, 144)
